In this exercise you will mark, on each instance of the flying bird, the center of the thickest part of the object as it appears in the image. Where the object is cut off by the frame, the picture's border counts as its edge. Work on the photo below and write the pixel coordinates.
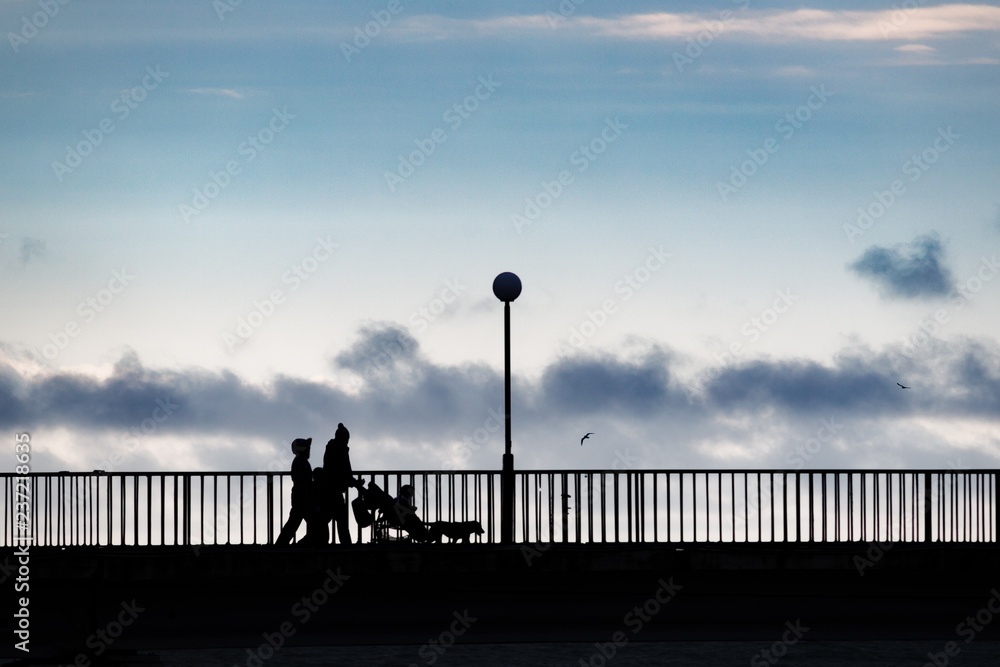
(584, 438)
(902, 387)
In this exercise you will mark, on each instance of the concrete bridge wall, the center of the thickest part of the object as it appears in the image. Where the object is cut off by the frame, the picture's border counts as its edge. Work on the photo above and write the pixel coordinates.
(87, 601)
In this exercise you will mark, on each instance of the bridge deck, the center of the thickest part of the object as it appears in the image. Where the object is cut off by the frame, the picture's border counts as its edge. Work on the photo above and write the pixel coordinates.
(166, 597)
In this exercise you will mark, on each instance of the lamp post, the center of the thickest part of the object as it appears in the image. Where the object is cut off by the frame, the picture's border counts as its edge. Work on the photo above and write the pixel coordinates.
(507, 287)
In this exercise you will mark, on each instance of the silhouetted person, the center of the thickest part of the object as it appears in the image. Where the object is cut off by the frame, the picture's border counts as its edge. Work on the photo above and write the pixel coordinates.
(406, 513)
(301, 484)
(404, 502)
(338, 476)
(317, 530)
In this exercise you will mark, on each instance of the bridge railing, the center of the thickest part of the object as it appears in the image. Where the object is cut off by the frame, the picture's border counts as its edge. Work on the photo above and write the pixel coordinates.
(574, 506)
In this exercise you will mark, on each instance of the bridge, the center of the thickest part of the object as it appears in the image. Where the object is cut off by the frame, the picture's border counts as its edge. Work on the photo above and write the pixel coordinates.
(187, 559)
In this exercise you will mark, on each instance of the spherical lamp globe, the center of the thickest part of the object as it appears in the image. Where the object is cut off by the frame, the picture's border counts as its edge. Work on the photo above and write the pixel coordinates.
(507, 286)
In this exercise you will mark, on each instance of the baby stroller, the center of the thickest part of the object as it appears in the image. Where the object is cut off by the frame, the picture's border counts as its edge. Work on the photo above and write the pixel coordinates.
(374, 507)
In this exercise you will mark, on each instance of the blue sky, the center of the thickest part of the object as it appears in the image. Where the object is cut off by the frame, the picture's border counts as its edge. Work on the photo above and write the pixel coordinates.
(731, 220)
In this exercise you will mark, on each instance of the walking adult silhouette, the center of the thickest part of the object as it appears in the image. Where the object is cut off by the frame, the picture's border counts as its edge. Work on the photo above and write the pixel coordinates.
(301, 486)
(338, 478)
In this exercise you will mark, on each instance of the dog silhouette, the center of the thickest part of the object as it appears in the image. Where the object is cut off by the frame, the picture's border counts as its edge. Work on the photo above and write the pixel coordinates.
(456, 531)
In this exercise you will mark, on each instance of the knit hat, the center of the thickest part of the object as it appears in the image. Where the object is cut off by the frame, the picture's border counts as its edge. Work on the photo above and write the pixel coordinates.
(300, 445)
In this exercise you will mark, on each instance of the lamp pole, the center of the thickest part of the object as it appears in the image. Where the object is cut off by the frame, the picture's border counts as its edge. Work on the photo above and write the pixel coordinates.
(507, 287)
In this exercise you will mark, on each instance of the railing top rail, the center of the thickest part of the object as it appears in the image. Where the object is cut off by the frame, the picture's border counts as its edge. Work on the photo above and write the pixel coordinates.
(569, 471)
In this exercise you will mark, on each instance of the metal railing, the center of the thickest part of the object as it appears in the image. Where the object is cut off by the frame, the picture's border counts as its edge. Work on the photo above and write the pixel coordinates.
(573, 506)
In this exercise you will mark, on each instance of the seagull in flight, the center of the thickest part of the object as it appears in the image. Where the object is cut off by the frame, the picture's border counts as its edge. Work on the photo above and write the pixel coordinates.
(584, 438)
(902, 387)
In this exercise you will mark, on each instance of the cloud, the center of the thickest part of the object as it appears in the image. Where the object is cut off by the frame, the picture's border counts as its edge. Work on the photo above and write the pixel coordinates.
(794, 71)
(637, 388)
(223, 92)
(381, 350)
(420, 415)
(31, 249)
(908, 271)
(799, 25)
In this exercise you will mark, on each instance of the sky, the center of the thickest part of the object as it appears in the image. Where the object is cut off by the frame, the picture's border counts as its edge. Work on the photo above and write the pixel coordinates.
(738, 225)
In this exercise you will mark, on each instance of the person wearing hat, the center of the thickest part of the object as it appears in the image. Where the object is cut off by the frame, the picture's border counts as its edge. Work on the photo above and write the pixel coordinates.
(338, 477)
(301, 482)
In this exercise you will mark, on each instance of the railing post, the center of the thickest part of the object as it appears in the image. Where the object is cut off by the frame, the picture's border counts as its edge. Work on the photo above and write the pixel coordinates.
(784, 507)
(809, 489)
(822, 491)
(927, 507)
(565, 507)
(798, 506)
(187, 509)
(996, 514)
(270, 508)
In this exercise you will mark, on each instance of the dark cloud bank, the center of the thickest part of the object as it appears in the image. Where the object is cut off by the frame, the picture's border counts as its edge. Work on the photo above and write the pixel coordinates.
(634, 403)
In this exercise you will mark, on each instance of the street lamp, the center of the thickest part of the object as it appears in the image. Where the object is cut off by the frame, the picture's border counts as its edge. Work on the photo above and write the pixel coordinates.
(507, 287)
